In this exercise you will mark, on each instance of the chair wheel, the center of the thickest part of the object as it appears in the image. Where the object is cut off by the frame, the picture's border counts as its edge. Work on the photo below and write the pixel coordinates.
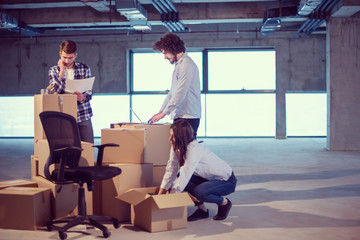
(49, 227)
(106, 233)
(62, 235)
(116, 224)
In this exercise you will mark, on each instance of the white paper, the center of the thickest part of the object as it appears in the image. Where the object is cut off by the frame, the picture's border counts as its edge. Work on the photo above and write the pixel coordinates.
(79, 85)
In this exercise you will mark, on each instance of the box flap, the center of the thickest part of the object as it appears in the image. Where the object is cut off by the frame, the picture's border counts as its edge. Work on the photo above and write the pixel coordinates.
(136, 195)
(172, 200)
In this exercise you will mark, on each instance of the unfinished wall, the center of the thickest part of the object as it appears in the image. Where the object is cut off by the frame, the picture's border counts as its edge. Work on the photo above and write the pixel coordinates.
(300, 61)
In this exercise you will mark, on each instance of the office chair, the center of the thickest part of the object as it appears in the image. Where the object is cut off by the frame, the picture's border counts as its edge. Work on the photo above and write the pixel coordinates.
(64, 141)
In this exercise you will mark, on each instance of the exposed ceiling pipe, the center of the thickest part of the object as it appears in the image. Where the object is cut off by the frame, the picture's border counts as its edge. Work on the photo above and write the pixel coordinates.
(317, 16)
(13, 24)
(169, 15)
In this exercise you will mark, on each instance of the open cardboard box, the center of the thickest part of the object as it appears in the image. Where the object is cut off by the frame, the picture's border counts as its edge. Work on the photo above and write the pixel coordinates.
(156, 213)
(132, 176)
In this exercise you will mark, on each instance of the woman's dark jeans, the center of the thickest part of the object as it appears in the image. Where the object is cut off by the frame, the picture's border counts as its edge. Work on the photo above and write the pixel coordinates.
(210, 191)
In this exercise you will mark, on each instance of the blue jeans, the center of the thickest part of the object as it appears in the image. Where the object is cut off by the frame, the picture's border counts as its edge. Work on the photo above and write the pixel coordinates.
(210, 191)
(86, 131)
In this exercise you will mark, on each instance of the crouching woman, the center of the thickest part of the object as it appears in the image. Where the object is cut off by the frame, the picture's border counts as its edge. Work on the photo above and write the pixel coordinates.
(195, 169)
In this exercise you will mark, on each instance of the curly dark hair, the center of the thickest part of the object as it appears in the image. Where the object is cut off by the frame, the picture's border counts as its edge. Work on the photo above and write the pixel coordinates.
(171, 43)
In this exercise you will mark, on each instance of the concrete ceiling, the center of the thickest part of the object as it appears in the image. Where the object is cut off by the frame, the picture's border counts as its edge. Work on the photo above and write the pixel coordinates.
(71, 17)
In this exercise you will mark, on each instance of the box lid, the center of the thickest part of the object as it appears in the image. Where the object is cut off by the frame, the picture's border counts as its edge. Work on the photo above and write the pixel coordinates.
(172, 200)
(137, 195)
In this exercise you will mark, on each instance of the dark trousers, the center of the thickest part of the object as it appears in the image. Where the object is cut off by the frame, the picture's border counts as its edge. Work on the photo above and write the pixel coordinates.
(211, 191)
(86, 131)
(194, 123)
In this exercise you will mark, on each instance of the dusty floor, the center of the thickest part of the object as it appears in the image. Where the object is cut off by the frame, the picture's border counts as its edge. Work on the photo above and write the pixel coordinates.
(287, 189)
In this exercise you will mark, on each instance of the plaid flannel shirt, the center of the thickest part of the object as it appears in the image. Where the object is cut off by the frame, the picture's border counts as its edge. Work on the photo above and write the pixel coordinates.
(81, 71)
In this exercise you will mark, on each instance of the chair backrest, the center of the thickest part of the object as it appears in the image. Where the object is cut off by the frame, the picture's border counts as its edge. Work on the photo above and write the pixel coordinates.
(61, 131)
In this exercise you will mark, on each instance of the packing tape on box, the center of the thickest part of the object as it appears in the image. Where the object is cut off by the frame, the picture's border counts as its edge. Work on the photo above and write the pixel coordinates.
(60, 103)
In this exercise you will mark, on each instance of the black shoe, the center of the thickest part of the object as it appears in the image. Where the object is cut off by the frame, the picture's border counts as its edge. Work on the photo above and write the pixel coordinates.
(198, 214)
(223, 211)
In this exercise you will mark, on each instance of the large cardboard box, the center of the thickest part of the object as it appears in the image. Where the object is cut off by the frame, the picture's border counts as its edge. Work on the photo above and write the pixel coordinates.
(65, 103)
(17, 183)
(159, 172)
(132, 176)
(24, 208)
(139, 143)
(156, 213)
(87, 156)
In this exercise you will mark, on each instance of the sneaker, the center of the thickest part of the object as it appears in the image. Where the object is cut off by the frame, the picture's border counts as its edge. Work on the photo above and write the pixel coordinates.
(198, 214)
(223, 211)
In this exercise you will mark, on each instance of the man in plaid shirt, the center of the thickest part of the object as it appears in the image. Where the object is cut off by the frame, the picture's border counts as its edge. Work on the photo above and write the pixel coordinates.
(68, 69)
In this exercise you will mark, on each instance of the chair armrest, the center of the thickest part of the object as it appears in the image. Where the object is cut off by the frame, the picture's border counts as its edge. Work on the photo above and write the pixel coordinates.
(101, 151)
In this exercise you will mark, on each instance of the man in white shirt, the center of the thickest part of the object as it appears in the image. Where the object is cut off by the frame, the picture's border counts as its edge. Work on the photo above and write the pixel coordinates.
(184, 99)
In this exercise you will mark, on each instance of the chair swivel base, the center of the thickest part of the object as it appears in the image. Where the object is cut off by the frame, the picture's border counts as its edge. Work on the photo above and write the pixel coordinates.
(91, 220)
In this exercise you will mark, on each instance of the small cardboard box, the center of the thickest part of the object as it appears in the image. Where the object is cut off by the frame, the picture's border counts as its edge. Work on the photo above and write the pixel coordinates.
(24, 208)
(63, 202)
(132, 176)
(139, 143)
(87, 155)
(17, 183)
(65, 103)
(156, 213)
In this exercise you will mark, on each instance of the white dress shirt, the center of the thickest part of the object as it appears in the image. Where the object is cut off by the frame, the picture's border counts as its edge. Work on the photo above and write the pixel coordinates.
(184, 98)
(199, 161)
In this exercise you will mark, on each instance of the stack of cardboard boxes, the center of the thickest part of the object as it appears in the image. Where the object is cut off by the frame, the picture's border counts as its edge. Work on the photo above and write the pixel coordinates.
(131, 196)
(142, 156)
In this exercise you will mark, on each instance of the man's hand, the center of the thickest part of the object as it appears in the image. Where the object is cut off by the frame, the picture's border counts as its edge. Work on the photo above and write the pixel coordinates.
(62, 68)
(157, 117)
(79, 96)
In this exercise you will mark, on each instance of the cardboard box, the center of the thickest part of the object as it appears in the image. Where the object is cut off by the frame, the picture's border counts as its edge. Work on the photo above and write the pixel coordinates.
(17, 183)
(87, 155)
(65, 103)
(132, 176)
(156, 213)
(159, 172)
(64, 202)
(139, 143)
(24, 208)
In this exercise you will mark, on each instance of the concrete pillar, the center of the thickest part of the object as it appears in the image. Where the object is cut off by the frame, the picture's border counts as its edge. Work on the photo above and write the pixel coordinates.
(343, 83)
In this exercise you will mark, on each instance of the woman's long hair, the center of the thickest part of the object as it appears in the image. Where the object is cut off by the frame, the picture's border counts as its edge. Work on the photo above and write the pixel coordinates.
(183, 135)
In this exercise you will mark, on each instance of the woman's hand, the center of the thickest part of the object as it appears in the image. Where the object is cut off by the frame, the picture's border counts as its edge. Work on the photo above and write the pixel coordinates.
(162, 191)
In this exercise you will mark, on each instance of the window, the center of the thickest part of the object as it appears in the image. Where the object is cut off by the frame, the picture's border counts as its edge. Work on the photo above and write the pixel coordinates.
(151, 72)
(240, 115)
(229, 71)
(306, 114)
(242, 70)
(17, 116)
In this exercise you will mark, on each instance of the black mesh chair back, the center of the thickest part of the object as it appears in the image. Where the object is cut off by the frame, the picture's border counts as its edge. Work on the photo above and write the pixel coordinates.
(62, 132)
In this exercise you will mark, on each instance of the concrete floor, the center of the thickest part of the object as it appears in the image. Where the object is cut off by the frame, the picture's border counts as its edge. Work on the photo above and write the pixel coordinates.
(287, 189)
